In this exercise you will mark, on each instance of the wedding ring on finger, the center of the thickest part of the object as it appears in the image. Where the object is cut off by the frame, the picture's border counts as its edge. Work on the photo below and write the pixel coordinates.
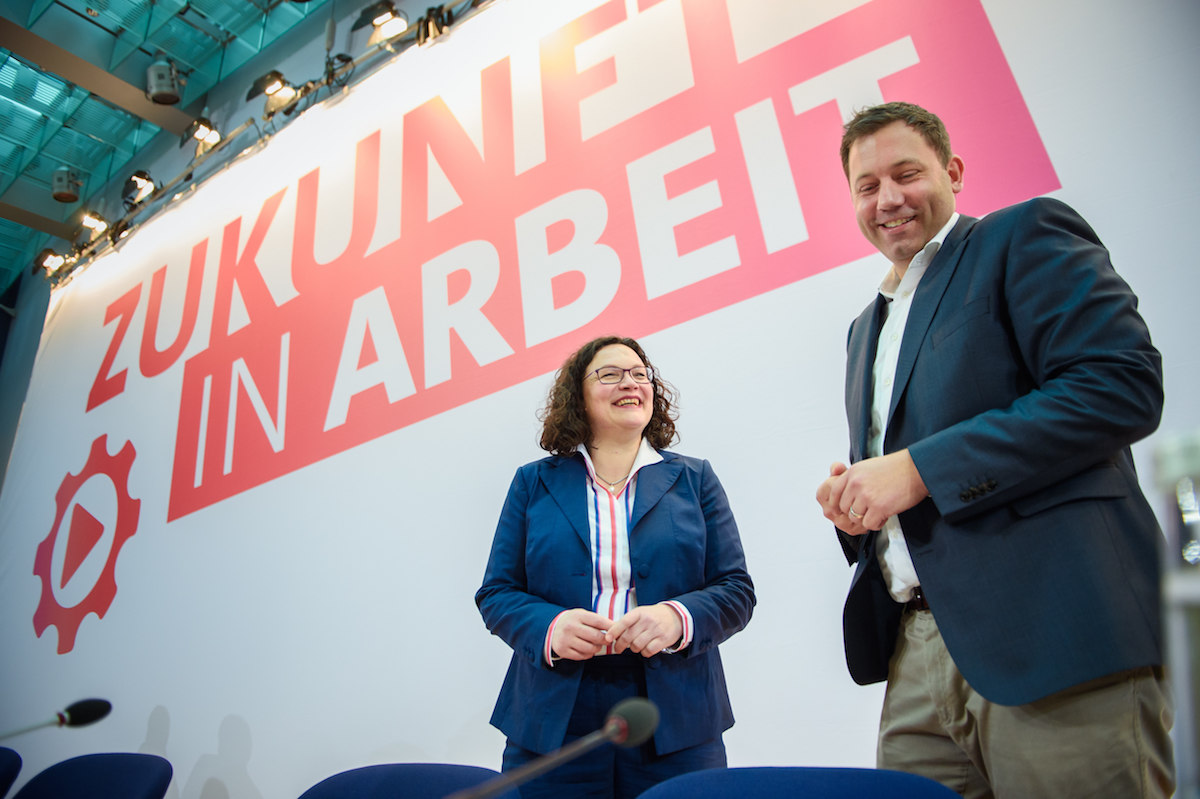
(854, 514)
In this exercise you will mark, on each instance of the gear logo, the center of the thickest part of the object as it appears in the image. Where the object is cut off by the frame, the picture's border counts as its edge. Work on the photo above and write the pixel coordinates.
(82, 534)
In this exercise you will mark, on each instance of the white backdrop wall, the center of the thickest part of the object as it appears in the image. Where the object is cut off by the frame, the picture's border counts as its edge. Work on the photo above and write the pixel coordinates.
(265, 442)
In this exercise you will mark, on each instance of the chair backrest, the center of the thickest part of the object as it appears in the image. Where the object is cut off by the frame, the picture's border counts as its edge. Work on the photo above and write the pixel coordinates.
(111, 775)
(789, 781)
(401, 781)
(10, 766)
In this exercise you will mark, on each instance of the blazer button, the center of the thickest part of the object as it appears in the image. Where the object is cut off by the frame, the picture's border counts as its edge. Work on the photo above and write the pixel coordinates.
(643, 571)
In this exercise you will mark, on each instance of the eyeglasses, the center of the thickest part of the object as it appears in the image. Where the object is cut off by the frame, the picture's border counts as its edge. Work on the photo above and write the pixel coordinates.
(615, 374)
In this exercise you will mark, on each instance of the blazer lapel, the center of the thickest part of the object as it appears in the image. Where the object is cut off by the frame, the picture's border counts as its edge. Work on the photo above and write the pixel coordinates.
(566, 481)
(653, 482)
(863, 343)
(929, 296)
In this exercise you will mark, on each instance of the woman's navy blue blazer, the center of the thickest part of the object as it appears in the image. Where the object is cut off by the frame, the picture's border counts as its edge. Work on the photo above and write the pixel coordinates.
(684, 545)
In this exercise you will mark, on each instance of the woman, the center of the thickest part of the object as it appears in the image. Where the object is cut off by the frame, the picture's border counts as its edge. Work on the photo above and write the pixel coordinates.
(616, 570)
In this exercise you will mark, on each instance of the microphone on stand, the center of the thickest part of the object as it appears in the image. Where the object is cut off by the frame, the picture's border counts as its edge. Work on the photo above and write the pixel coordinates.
(630, 722)
(77, 714)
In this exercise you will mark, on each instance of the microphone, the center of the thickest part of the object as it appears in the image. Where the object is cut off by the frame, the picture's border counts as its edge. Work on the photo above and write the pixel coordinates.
(630, 722)
(77, 714)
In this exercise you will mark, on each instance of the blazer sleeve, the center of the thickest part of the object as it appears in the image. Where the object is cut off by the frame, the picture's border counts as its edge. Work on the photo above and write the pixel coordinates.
(509, 610)
(1082, 382)
(724, 603)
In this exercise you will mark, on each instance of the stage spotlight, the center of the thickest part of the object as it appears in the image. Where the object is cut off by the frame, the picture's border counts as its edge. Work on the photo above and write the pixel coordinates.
(433, 24)
(53, 263)
(283, 100)
(95, 223)
(204, 132)
(387, 20)
(137, 187)
(162, 82)
(388, 30)
(118, 231)
(281, 95)
(64, 185)
(268, 84)
(49, 261)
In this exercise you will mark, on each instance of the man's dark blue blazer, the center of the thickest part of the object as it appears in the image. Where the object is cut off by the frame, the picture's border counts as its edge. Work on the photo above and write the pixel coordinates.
(1024, 374)
(684, 545)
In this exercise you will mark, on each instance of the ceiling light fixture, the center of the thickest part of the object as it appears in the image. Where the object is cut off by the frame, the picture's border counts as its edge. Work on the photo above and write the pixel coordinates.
(65, 185)
(162, 81)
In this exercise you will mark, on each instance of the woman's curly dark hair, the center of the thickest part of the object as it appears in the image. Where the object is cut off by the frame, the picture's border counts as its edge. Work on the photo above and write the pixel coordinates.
(564, 418)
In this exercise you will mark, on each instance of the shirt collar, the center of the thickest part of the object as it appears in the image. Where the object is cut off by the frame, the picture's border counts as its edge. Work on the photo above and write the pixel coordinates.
(646, 455)
(891, 285)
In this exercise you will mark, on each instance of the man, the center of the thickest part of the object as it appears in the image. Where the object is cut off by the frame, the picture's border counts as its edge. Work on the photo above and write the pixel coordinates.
(1006, 562)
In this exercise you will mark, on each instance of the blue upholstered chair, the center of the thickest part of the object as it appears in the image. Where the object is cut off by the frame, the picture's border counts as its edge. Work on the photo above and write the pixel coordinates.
(10, 766)
(402, 781)
(113, 775)
(796, 781)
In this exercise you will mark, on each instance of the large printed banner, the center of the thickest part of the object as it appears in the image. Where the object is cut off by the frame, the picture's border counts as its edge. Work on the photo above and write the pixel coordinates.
(557, 169)
(641, 165)
(679, 160)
